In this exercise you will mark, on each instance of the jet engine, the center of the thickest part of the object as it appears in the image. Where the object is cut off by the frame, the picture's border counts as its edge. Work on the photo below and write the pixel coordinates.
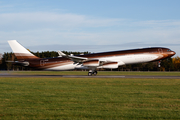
(110, 65)
(91, 63)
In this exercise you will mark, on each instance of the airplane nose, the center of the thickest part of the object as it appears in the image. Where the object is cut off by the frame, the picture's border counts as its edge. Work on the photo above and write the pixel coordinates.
(172, 53)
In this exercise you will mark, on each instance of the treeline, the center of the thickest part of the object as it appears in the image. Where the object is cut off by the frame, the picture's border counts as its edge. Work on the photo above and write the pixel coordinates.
(169, 64)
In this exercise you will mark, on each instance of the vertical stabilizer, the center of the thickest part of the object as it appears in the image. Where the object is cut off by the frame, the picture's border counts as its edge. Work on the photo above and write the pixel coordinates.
(20, 52)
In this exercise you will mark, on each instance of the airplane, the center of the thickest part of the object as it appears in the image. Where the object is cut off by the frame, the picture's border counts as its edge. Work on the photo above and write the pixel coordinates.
(107, 60)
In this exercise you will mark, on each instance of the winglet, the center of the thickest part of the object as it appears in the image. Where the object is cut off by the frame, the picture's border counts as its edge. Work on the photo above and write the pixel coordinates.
(61, 54)
(72, 57)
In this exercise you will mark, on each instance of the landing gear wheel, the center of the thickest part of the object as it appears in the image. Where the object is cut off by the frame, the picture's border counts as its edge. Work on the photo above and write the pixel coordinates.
(89, 73)
(92, 72)
(95, 73)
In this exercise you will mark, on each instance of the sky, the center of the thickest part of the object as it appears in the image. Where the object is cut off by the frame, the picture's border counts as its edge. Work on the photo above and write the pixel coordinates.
(90, 25)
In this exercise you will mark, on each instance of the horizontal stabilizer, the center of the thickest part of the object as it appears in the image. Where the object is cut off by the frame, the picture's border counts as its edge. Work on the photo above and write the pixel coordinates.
(19, 63)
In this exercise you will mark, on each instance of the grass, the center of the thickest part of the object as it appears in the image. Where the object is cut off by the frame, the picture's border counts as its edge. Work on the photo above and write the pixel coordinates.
(99, 73)
(89, 98)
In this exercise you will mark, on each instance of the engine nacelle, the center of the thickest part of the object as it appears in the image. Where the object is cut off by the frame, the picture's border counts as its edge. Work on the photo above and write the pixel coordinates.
(91, 63)
(110, 65)
(102, 64)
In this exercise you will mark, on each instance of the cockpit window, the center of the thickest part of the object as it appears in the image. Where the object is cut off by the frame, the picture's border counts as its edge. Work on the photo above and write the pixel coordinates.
(169, 50)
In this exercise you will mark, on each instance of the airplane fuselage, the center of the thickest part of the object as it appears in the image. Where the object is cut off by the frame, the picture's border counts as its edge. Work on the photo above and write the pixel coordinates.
(117, 58)
(110, 60)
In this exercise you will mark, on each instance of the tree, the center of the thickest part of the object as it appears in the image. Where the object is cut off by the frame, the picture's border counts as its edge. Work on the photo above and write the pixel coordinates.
(176, 62)
(167, 64)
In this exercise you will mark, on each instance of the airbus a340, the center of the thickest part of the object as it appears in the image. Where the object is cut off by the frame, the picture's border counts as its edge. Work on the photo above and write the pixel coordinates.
(109, 60)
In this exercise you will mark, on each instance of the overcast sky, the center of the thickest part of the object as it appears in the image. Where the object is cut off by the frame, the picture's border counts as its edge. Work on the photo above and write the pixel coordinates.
(90, 25)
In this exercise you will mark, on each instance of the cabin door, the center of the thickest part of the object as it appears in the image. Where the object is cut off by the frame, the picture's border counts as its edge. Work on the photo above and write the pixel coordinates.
(42, 63)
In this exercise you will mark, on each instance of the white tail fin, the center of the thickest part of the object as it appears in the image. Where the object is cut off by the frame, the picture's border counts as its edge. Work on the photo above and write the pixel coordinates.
(20, 52)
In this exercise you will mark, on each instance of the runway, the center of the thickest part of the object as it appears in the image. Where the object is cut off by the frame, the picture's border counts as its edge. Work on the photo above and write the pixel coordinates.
(84, 76)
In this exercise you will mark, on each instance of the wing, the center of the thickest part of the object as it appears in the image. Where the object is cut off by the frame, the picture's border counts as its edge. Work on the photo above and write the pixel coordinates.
(93, 63)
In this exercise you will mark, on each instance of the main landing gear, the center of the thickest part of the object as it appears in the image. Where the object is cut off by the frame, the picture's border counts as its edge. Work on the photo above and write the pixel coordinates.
(91, 72)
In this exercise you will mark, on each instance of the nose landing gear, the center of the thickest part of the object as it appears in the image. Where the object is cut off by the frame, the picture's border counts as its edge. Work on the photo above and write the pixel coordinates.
(159, 64)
